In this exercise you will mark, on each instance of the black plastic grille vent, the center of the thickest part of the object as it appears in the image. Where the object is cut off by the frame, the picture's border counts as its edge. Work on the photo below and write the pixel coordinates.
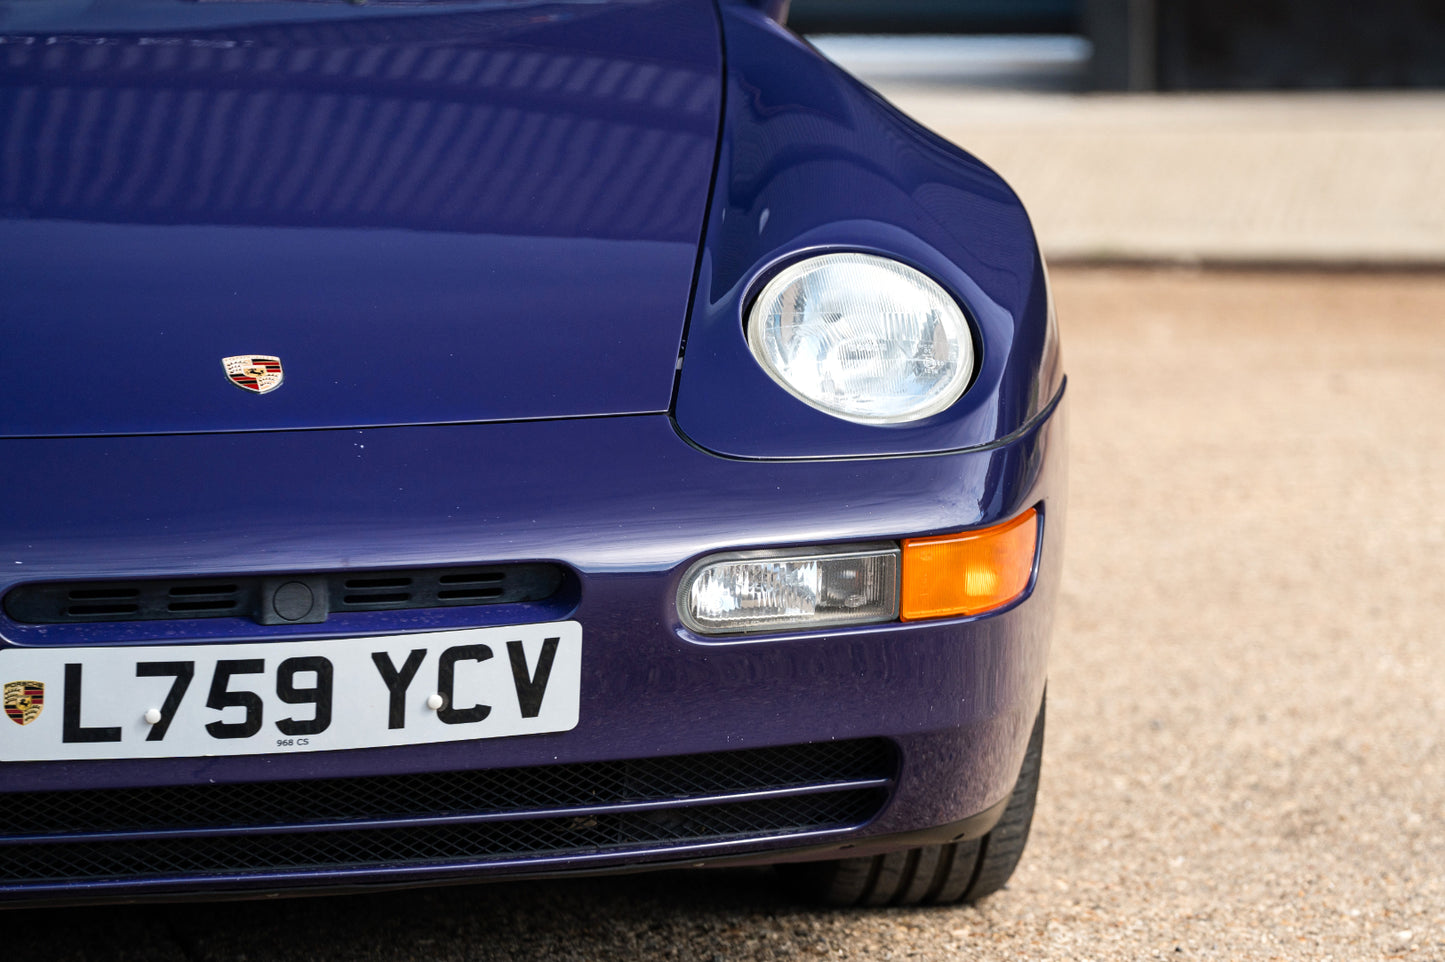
(272, 599)
(441, 817)
(380, 848)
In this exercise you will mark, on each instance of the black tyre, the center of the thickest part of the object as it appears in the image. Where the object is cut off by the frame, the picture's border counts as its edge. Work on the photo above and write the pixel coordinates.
(934, 874)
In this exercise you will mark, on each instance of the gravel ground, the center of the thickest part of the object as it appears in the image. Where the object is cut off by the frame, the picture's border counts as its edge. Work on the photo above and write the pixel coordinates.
(1245, 755)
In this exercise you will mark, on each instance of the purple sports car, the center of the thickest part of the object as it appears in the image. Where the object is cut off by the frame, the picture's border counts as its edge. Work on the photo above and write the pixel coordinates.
(477, 439)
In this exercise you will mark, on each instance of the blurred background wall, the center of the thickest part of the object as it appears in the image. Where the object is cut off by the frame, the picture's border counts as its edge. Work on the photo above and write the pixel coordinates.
(1181, 44)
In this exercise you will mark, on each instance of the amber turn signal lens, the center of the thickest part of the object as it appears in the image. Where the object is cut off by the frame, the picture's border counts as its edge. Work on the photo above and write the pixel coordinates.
(968, 573)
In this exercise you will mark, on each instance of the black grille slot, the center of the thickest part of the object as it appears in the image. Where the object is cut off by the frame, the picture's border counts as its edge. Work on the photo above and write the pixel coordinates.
(102, 594)
(159, 600)
(445, 587)
(480, 577)
(101, 602)
(182, 591)
(370, 583)
(395, 600)
(201, 607)
(203, 600)
(100, 610)
(460, 594)
(503, 813)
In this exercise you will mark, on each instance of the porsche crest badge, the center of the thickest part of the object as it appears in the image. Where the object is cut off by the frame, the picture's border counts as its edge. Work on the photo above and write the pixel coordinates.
(257, 373)
(23, 700)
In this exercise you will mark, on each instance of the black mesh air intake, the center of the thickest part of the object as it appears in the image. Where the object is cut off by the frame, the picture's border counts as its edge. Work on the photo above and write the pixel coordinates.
(438, 818)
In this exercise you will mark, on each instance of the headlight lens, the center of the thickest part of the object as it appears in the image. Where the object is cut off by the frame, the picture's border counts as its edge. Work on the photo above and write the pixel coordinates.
(862, 337)
(772, 590)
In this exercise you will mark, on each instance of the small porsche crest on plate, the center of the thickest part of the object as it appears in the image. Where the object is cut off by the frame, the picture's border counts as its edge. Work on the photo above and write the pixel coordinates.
(23, 700)
(258, 373)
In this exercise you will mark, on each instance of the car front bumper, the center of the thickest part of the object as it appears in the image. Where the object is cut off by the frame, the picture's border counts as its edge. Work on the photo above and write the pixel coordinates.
(624, 503)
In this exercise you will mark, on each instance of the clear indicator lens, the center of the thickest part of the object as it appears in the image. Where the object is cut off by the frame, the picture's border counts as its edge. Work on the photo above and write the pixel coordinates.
(862, 337)
(756, 592)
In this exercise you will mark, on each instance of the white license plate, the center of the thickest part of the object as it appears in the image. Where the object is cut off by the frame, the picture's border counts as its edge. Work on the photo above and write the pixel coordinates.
(280, 697)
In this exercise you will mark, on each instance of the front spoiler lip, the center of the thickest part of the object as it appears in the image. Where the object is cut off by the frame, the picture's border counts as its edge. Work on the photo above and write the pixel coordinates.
(802, 847)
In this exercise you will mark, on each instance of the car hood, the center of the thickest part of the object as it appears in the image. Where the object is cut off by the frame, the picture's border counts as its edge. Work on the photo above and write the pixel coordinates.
(427, 212)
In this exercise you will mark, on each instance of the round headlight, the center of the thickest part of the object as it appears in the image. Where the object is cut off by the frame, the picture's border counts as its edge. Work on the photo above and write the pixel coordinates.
(863, 338)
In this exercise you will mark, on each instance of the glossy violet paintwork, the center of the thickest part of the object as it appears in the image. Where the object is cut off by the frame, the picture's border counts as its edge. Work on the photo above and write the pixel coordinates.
(811, 161)
(454, 215)
(958, 695)
(626, 502)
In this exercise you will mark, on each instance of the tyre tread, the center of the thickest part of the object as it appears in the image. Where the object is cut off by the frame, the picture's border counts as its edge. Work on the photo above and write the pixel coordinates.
(963, 871)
